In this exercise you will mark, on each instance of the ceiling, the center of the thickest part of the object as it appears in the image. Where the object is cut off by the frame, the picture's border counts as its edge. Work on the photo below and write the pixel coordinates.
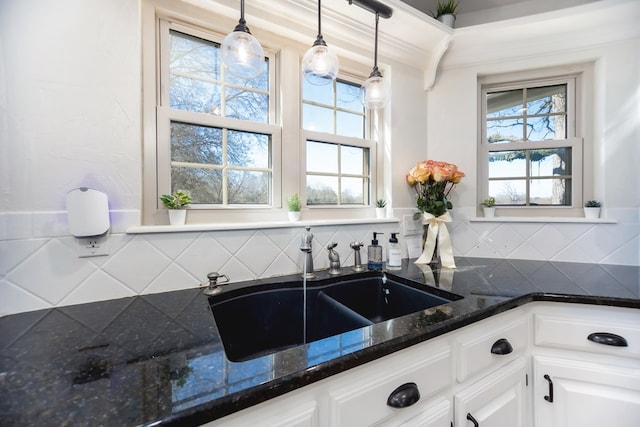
(475, 12)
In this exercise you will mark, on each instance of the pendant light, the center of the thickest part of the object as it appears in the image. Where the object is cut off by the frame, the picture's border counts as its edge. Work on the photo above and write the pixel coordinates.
(375, 91)
(242, 54)
(319, 64)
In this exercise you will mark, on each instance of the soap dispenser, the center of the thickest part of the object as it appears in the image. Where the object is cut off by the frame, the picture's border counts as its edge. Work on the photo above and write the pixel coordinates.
(394, 253)
(374, 254)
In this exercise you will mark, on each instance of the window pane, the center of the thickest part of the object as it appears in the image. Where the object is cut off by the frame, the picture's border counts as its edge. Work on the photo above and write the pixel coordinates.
(352, 160)
(546, 127)
(349, 124)
(245, 105)
(549, 192)
(322, 157)
(248, 149)
(501, 131)
(505, 104)
(246, 187)
(193, 56)
(504, 164)
(196, 144)
(551, 162)
(547, 100)
(322, 190)
(194, 95)
(317, 94)
(317, 119)
(348, 97)
(352, 191)
(204, 185)
(508, 192)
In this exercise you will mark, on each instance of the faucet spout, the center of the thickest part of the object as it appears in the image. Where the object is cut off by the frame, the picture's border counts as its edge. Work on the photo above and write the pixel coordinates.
(306, 246)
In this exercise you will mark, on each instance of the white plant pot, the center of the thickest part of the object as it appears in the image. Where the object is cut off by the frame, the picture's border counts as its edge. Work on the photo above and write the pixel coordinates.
(591, 213)
(177, 216)
(381, 213)
(489, 212)
(294, 216)
(448, 20)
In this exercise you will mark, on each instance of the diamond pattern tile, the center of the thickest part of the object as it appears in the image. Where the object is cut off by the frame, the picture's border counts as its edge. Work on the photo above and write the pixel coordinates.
(41, 272)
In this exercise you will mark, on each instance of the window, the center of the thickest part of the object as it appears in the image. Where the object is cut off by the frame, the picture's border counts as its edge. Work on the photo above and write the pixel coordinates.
(213, 127)
(338, 158)
(239, 147)
(531, 143)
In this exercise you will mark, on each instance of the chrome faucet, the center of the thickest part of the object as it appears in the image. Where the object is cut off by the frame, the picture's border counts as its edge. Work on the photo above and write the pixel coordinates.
(334, 259)
(357, 263)
(307, 248)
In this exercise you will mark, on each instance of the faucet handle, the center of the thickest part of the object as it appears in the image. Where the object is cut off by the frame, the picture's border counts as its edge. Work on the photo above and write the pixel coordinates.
(356, 245)
(331, 245)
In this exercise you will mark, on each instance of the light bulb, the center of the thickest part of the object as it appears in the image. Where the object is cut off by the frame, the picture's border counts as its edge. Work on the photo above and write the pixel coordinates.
(242, 54)
(375, 92)
(320, 65)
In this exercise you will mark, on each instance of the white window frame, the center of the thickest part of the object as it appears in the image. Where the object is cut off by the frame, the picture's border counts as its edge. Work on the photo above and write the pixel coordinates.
(288, 150)
(579, 112)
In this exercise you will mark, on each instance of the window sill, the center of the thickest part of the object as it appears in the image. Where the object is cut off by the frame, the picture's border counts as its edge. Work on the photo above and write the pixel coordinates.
(147, 229)
(545, 219)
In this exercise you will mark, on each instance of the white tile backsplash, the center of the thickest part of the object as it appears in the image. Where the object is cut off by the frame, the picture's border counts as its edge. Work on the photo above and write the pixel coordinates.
(40, 272)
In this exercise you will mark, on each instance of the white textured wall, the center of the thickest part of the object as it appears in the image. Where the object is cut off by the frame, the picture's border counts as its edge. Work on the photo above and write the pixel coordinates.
(70, 116)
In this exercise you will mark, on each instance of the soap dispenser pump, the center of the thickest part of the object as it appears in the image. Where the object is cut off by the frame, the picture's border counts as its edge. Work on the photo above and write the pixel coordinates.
(394, 253)
(374, 253)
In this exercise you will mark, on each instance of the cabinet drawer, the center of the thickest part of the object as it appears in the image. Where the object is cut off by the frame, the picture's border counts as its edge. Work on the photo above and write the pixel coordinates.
(362, 401)
(571, 328)
(475, 346)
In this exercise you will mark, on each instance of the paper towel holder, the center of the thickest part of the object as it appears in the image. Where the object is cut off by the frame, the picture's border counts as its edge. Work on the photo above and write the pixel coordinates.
(87, 212)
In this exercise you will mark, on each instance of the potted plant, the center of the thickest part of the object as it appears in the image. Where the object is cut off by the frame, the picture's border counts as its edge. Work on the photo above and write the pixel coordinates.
(295, 206)
(381, 212)
(592, 209)
(176, 204)
(446, 12)
(489, 207)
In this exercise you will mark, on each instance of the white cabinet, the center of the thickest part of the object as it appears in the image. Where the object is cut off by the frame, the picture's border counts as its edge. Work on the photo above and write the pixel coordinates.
(586, 366)
(497, 400)
(569, 393)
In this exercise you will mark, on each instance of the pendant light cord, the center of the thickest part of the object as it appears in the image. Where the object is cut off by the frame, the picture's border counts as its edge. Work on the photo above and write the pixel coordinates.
(375, 52)
(319, 20)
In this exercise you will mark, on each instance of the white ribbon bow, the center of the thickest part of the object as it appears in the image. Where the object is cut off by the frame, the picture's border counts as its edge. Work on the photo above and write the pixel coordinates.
(437, 230)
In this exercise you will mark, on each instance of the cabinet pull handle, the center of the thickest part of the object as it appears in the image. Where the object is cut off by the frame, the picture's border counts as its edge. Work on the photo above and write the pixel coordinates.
(404, 396)
(549, 398)
(502, 346)
(608, 338)
(473, 420)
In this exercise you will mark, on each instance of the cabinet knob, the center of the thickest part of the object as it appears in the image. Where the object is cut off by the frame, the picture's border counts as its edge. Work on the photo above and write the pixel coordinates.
(502, 346)
(608, 338)
(404, 396)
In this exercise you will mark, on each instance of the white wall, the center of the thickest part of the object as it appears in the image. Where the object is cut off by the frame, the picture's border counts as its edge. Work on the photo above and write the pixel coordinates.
(70, 116)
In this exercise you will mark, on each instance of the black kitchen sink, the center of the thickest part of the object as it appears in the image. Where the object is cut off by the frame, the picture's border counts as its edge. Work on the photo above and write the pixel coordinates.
(259, 320)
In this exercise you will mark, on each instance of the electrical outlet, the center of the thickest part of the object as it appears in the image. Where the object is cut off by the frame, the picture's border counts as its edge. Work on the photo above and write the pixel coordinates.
(93, 246)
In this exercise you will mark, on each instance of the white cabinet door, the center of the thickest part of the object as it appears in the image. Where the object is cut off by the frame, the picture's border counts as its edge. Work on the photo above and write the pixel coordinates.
(497, 400)
(572, 393)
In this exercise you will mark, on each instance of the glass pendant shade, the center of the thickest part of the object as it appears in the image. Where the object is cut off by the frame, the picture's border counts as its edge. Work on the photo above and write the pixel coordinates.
(319, 64)
(375, 92)
(242, 54)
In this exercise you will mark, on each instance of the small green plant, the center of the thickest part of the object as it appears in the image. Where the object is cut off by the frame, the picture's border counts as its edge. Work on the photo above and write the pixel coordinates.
(294, 203)
(489, 202)
(381, 203)
(448, 7)
(177, 200)
(592, 204)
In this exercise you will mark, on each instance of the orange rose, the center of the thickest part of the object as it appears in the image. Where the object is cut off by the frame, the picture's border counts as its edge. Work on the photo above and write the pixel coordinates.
(421, 172)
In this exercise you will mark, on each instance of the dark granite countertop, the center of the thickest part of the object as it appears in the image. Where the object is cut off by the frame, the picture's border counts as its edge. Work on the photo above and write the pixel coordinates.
(158, 359)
